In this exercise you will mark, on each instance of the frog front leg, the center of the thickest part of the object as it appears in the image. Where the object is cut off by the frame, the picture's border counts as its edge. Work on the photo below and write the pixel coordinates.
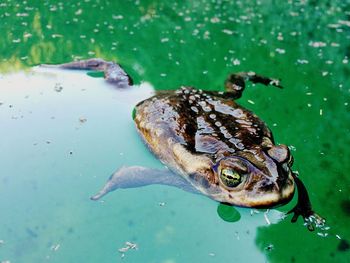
(138, 176)
(235, 83)
(303, 207)
(113, 72)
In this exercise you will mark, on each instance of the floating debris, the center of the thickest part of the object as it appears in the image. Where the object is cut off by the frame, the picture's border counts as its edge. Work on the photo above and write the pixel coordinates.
(58, 87)
(270, 247)
(55, 247)
(117, 17)
(128, 245)
(322, 234)
(333, 25)
(237, 235)
(236, 62)
(344, 22)
(214, 20)
(266, 218)
(302, 61)
(280, 51)
(280, 37)
(56, 35)
(22, 14)
(162, 204)
(131, 245)
(317, 44)
(333, 44)
(123, 249)
(78, 12)
(254, 211)
(82, 120)
(227, 31)
(212, 254)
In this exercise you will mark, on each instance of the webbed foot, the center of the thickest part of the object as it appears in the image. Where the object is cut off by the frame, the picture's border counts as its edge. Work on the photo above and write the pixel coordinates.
(235, 83)
(113, 72)
(303, 208)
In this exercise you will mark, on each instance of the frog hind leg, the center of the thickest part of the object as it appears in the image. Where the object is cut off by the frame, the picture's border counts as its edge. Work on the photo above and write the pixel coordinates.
(137, 176)
(235, 83)
(113, 72)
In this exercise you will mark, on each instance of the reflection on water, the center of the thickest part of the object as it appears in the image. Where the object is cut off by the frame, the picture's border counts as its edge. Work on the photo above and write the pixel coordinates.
(66, 132)
(207, 39)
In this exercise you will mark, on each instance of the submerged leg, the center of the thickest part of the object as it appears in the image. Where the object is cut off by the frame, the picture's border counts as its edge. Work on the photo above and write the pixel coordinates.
(137, 176)
(235, 83)
(113, 72)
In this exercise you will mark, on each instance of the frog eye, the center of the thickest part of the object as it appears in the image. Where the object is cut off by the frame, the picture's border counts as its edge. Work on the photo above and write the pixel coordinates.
(230, 178)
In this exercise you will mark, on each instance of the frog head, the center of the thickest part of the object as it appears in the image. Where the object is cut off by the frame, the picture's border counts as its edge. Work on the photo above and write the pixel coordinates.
(255, 178)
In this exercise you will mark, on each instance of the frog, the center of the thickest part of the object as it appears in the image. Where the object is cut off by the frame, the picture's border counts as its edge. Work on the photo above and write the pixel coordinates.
(209, 144)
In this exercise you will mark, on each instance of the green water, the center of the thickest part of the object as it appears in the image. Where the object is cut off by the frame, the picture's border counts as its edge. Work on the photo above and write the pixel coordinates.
(51, 161)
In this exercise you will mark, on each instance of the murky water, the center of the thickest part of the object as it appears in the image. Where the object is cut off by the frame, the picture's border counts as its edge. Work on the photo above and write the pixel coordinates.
(63, 133)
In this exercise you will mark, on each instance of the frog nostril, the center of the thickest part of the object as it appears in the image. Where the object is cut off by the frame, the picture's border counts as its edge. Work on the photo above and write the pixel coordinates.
(279, 153)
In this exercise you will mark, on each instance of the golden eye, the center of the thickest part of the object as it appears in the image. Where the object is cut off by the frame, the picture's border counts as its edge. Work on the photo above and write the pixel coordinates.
(230, 178)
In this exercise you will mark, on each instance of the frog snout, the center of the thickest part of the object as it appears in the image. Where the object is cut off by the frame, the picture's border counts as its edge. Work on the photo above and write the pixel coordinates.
(280, 153)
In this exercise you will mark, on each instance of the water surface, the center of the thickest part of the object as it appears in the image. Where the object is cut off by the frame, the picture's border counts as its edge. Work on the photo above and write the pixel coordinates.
(58, 148)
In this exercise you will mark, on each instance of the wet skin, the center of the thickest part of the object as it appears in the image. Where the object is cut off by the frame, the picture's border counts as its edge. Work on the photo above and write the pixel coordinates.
(215, 146)
(200, 135)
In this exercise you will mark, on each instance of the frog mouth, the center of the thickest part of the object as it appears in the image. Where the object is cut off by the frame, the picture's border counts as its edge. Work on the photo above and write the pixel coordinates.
(273, 198)
(261, 199)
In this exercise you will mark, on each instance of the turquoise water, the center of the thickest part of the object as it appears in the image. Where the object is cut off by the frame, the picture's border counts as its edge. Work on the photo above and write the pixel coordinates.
(63, 133)
(67, 143)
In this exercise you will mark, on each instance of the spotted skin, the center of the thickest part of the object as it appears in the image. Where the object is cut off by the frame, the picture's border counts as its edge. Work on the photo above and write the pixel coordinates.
(194, 132)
